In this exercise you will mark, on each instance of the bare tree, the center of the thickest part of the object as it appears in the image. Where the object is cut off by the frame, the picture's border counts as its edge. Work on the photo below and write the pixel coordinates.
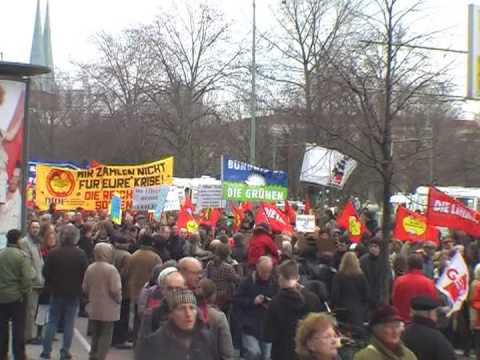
(195, 61)
(385, 76)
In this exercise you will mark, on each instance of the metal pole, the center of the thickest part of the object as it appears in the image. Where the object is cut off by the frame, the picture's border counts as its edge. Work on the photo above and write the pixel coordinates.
(253, 104)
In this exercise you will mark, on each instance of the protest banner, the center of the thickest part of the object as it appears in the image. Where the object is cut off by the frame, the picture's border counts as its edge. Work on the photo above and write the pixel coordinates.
(350, 221)
(245, 182)
(161, 200)
(410, 226)
(454, 283)
(305, 223)
(326, 167)
(93, 188)
(115, 209)
(173, 200)
(147, 198)
(210, 196)
(445, 211)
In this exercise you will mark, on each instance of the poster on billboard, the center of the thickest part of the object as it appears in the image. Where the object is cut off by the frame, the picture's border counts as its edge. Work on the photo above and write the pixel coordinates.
(12, 111)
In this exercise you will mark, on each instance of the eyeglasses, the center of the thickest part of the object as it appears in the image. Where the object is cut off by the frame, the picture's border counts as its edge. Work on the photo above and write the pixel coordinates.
(393, 325)
(326, 338)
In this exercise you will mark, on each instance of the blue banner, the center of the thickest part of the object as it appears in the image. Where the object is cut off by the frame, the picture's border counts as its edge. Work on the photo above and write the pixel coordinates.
(247, 182)
(116, 209)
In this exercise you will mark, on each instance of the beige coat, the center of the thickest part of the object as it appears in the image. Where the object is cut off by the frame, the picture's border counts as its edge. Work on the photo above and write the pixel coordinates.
(121, 260)
(103, 286)
(140, 269)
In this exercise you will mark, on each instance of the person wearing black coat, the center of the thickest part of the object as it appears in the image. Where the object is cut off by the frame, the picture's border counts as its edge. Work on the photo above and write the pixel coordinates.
(175, 246)
(239, 251)
(250, 304)
(64, 269)
(350, 291)
(372, 266)
(422, 335)
(291, 304)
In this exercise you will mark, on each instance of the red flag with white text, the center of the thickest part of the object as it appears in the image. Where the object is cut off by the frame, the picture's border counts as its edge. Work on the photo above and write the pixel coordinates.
(445, 211)
(270, 214)
(454, 282)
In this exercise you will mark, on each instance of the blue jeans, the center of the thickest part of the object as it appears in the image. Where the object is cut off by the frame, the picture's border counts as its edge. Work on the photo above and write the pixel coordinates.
(68, 308)
(255, 349)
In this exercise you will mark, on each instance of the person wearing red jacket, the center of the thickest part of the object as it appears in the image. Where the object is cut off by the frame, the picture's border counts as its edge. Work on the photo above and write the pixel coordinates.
(262, 244)
(413, 283)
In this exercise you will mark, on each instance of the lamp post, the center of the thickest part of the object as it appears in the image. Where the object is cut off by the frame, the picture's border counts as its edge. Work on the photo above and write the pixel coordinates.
(253, 100)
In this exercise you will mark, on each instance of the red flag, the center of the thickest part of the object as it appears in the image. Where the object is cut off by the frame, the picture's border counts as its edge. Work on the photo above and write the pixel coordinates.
(238, 216)
(292, 215)
(186, 220)
(270, 214)
(210, 217)
(246, 205)
(94, 164)
(308, 205)
(350, 220)
(188, 204)
(443, 210)
(410, 226)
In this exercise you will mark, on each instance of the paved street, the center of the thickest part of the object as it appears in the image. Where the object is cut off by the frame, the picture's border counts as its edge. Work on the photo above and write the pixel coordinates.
(80, 346)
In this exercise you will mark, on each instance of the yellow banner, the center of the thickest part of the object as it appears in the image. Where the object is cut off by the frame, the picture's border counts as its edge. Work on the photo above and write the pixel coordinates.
(92, 189)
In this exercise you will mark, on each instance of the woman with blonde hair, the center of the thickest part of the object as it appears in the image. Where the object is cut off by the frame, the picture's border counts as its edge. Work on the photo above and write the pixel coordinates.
(350, 291)
(316, 338)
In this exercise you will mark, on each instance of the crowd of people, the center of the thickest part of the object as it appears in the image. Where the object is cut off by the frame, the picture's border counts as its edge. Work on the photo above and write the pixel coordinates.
(215, 294)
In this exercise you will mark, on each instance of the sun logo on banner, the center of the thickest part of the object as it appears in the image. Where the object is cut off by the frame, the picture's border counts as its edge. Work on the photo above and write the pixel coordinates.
(60, 183)
(414, 226)
(192, 226)
(354, 226)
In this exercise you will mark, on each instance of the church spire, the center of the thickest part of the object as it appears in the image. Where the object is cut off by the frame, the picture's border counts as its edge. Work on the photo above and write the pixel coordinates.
(49, 79)
(47, 39)
(37, 56)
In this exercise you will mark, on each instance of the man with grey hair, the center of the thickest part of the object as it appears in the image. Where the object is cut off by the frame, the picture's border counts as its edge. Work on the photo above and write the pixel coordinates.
(31, 246)
(63, 271)
(251, 302)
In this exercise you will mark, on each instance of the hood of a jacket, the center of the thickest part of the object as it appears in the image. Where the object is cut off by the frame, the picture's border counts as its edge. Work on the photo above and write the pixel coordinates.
(291, 299)
(103, 252)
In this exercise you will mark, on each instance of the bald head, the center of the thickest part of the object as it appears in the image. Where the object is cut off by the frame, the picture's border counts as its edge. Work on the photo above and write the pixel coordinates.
(214, 244)
(174, 280)
(264, 268)
(191, 269)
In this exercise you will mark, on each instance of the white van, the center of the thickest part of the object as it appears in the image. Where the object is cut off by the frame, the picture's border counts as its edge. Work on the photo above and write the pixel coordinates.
(469, 196)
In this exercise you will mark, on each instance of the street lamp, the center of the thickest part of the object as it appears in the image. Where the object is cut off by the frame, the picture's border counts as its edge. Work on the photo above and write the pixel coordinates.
(253, 100)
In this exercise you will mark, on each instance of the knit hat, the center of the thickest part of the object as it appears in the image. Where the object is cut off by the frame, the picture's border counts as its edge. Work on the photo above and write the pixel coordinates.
(180, 296)
(385, 314)
(164, 273)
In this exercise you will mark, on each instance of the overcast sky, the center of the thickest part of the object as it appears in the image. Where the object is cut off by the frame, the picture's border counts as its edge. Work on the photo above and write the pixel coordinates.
(73, 23)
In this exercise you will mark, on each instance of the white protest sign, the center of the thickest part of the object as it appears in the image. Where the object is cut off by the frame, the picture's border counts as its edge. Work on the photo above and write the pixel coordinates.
(173, 200)
(210, 196)
(146, 198)
(305, 223)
